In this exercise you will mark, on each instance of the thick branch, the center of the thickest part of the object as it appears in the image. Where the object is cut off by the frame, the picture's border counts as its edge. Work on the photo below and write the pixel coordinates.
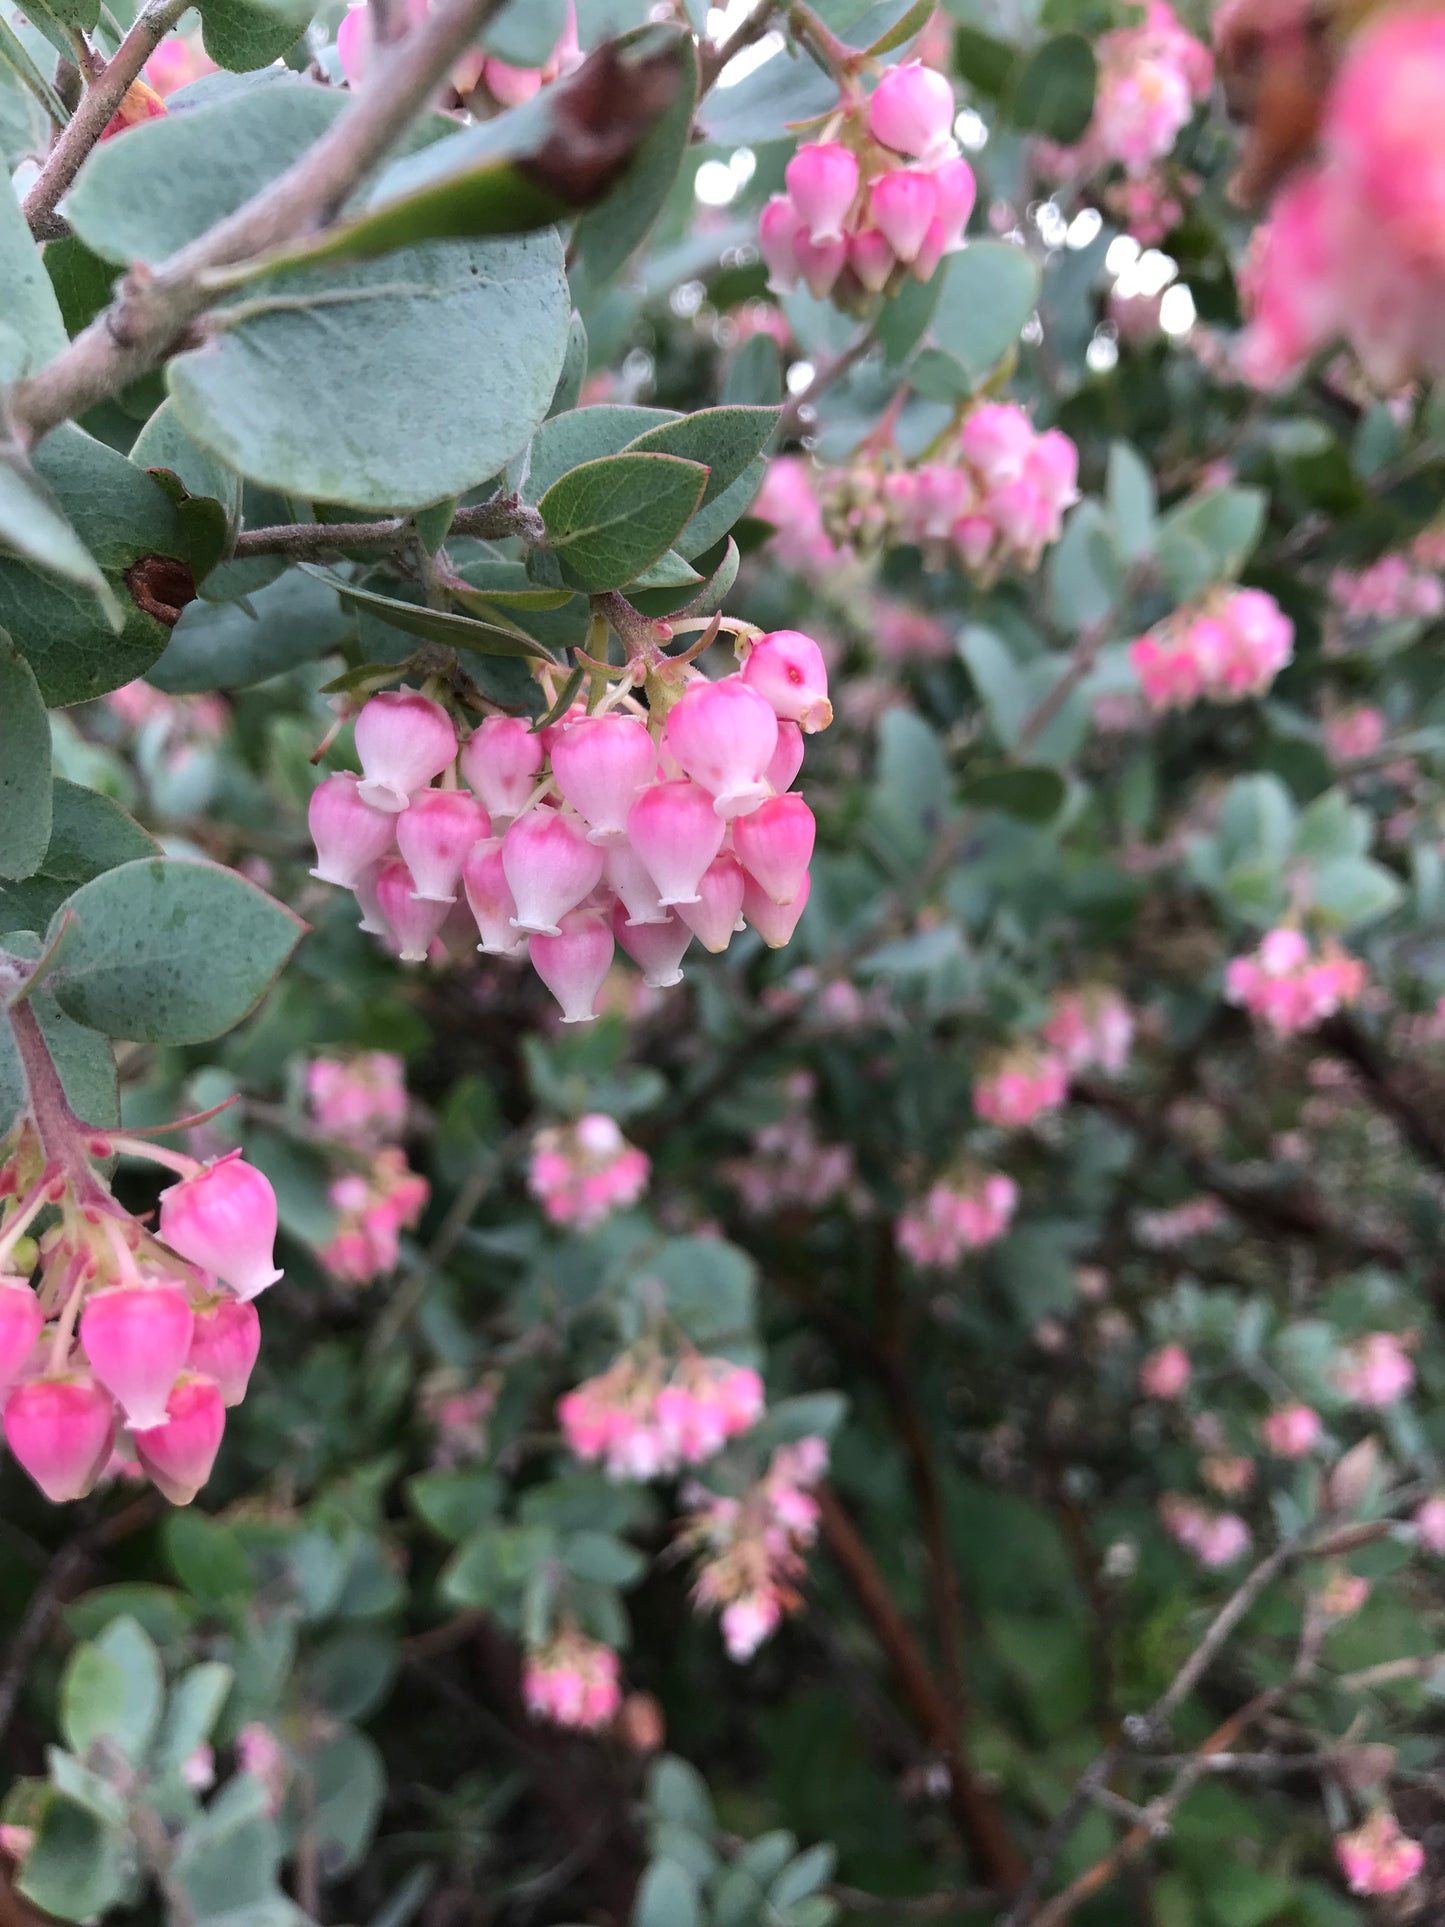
(98, 107)
(154, 311)
(1418, 1123)
(313, 541)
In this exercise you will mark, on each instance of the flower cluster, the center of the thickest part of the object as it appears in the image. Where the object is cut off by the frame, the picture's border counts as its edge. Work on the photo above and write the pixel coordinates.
(573, 1681)
(627, 826)
(1150, 78)
(1353, 733)
(1231, 649)
(1292, 1431)
(1090, 1028)
(1166, 1373)
(888, 195)
(373, 1208)
(505, 86)
(1377, 1858)
(1020, 1085)
(1387, 590)
(105, 1325)
(1376, 1370)
(788, 1166)
(584, 1171)
(952, 1218)
(750, 1550)
(1291, 987)
(995, 498)
(1430, 1523)
(360, 1101)
(1354, 247)
(1216, 1539)
(460, 1414)
(645, 1417)
(788, 500)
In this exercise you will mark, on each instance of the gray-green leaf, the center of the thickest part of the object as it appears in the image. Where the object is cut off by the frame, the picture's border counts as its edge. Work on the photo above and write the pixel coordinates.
(609, 519)
(24, 767)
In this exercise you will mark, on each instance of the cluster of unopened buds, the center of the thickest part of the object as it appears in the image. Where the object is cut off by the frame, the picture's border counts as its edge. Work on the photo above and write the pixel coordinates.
(1020, 1084)
(788, 1166)
(106, 1327)
(992, 499)
(1216, 1539)
(1091, 1028)
(573, 1681)
(583, 1172)
(750, 1550)
(954, 1217)
(1292, 1431)
(358, 1104)
(789, 501)
(647, 1416)
(1376, 1370)
(626, 826)
(1230, 649)
(884, 195)
(503, 85)
(1291, 987)
(360, 1101)
(1394, 587)
(1378, 1858)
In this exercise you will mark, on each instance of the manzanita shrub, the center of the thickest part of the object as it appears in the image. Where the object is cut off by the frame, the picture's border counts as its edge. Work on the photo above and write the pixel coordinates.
(722, 940)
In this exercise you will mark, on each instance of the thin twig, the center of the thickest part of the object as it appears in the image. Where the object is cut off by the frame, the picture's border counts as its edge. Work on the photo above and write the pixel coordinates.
(913, 1906)
(714, 55)
(314, 541)
(830, 372)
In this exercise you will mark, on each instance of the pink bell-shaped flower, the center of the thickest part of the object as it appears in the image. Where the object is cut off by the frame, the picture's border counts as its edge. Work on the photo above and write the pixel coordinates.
(716, 916)
(178, 1455)
(723, 735)
(954, 189)
(550, 867)
(656, 948)
(413, 920)
(822, 179)
(21, 1320)
(787, 760)
(676, 831)
(573, 963)
(820, 263)
(500, 761)
(403, 740)
(350, 834)
(630, 878)
(434, 836)
(778, 228)
(225, 1343)
(871, 258)
(599, 764)
(61, 1430)
(491, 900)
(787, 669)
(903, 205)
(774, 922)
(136, 1338)
(911, 110)
(775, 845)
(223, 1219)
(369, 904)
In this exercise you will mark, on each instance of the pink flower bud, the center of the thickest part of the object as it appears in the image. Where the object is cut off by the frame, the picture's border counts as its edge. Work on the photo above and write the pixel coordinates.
(822, 179)
(21, 1320)
(630, 877)
(787, 668)
(223, 1219)
(774, 923)
(931, 250)
(676, 831)
(403, 740)
(723, 735)
(136, 1338)
(871, 258)
(775, 845)
(178, 1455)
(61, 1430)
(820, 263)
(903, 205)
(954, 191)
(778, 229)
(350, 835)
(434, 836)
(787, 757)
(500, 761)
(911, 110)
(550, 867)
(411, 919)
(225, 1343)
(573, 962)
(717, 914)
(657, 948)
(600, 763)
(1165, 1373)
(353, 43)
(492, 904)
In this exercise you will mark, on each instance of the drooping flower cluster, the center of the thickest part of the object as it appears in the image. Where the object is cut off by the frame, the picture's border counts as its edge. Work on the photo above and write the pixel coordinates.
(1430, 1523)
(1387, 590)
(1292, 1431)
(1230, 649)
(583, 1172)
(1291, 987)
(994, 499)
(647, 1416)
(788, 1166)
(373, 1207)
(1090, 1028)
(886, 195)
(750, 1550)
(460, 1414)
(1353, 733)
(1216, 1539)
(1019, 1085)
(1376, 1370)
(788, 500)
(1355, 247)
(1378, 1858)
(360, 1101)
(573, 1681)
(951, 1218)
(625, 827)
(1150, 79)
(108, 1328)
(506, 86)
(1166, 1373)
